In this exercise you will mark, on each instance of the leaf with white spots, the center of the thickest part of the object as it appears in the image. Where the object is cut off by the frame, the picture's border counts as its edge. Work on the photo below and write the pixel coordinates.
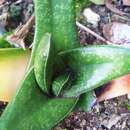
(95, 66)
(33, 110)
(59, 83)
(43, 63)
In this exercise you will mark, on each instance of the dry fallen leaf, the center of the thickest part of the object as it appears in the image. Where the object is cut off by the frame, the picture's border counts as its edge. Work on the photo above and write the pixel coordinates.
(117, 32)
(17, 38)
(115, 88)
(109, 4)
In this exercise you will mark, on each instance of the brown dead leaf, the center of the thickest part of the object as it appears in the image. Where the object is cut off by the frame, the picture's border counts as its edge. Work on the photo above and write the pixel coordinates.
(117, 33)
(17, 38)
(115, 88)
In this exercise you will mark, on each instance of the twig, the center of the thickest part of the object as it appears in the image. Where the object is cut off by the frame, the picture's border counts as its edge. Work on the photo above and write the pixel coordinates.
(92, 32)
(122, 17)
(17, 38)
(18, 2)
(111, 7)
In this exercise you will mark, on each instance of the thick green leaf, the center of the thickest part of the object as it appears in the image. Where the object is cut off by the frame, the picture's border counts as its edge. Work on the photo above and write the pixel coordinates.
(59, 83)
(86, 101)
(32, 110)
(64, 33)
(43, 23)
(43, 64)
(95, 66)
(58, 17)
(89, 77)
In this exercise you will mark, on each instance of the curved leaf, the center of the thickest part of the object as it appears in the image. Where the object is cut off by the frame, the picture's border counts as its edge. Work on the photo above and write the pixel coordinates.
(96, 65)
(64, 33)
(59, 83)
(86, 101)
(43, 23)
(32, 110)
(43, 63)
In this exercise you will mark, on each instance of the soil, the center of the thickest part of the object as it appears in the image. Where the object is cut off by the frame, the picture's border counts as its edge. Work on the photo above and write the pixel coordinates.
(113, 114)
(107, 115)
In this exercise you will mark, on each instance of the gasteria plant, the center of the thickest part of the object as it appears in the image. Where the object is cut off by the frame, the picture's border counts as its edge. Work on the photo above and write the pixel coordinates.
(61, 76)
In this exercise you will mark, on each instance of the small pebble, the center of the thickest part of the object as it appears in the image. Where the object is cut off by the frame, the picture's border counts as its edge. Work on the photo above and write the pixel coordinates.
(91, 17)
